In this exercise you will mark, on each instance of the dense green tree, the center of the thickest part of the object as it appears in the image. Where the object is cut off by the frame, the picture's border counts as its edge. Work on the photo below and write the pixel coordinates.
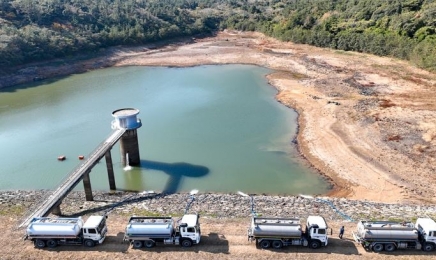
(33, 30)
(424, 53)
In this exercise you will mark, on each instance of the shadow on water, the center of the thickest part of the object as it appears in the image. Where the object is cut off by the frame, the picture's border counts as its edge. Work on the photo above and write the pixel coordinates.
(176, 171)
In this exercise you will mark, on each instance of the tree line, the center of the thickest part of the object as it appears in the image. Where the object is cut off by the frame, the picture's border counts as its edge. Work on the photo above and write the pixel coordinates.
(32, 30)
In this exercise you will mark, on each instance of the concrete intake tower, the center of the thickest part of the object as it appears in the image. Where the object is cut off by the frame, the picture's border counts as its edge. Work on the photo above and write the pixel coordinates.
(129, 147)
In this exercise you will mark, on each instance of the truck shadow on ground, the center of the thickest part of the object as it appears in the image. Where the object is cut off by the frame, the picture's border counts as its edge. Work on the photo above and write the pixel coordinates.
(176, 172)
(402, 252)
(350, 243)
(335, 246)
(341, 246)
(214, 243)
(111, 244)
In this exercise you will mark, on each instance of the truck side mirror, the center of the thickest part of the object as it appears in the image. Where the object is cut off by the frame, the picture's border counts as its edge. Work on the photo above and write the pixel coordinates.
(331, 231)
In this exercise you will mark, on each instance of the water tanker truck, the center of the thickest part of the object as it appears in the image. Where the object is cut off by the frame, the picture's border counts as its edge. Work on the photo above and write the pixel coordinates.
(147, 231)
(390, 236)
(279, 232)
(52, 232)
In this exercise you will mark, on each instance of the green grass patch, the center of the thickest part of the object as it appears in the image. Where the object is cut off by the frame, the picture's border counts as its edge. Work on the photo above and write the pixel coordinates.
(206, 214)
(12, 210)
(399, 220)
(148, 213)
(344, 52)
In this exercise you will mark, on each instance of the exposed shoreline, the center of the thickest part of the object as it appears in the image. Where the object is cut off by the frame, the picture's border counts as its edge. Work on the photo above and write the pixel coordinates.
(214, 205)
(366, 123)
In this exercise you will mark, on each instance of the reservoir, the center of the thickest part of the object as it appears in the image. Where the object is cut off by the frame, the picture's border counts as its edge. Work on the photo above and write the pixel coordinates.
(212, 128)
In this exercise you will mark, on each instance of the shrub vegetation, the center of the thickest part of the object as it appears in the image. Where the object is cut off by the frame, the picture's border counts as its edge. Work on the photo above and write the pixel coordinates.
(32, 30)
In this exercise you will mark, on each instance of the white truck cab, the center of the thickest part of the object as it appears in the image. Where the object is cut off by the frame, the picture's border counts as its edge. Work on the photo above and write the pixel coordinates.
(427, 233)
(190, 228)
(316, 229)
(95, 229)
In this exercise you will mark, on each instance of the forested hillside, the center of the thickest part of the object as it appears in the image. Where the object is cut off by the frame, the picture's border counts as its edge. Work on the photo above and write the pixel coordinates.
(32, 30)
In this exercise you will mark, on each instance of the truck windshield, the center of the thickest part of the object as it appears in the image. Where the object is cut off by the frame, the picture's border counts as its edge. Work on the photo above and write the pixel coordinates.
(321, 231)
(101, 225)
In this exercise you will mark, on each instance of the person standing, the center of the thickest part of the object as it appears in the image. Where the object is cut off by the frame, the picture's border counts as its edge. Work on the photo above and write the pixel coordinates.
(341, 232)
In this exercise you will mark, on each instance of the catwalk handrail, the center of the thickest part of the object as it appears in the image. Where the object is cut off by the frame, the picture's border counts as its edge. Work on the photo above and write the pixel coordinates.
(71, 179)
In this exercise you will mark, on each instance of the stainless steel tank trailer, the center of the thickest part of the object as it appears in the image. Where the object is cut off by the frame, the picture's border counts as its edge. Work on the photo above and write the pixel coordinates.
(148, 231)
(280, 232)
(390, 236)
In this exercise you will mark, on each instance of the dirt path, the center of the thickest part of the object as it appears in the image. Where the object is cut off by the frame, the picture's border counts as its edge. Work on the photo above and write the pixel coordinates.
(221, 239)
(366, 123)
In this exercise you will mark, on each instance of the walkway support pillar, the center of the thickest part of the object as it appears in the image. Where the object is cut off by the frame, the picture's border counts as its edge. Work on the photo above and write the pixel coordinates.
(110, 170)
(87, 187)
(57, 210)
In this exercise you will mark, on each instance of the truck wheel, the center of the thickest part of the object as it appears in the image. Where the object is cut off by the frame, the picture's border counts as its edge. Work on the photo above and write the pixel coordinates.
(390, 247)
(149, 243)
(314, 244)
(52, 243)
(277, 244)
(186, 243)
(137, 244)
(39, 243)
(89, 243)
(377, 247)
(428, 247)
(265, 244)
